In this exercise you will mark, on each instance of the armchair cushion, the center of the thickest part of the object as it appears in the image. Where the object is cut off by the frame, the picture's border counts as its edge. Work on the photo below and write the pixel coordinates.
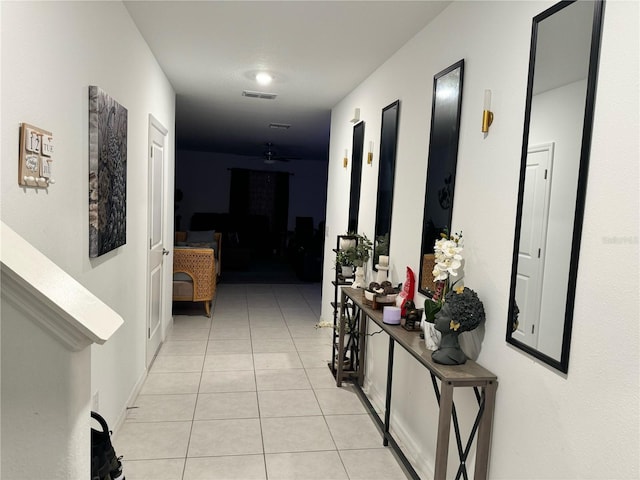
(212, 245)
(205, 236)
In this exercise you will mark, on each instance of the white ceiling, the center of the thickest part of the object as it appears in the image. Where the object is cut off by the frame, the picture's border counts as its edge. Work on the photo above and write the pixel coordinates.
(563, 46)
(317, 51)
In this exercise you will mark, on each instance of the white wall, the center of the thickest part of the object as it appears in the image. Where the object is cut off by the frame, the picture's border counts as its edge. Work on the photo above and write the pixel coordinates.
(51, 53)
(547, 425)
(45, 388)
(205, 179)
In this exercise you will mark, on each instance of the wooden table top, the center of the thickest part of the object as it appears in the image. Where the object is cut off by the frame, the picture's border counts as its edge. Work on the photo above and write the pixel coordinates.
(470, 372)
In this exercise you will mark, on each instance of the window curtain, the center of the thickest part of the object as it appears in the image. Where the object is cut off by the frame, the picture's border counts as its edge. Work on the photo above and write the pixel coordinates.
(259, 202)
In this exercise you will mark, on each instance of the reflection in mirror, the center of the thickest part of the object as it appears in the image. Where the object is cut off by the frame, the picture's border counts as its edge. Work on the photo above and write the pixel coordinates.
(557, 136)
(441, 168)
(386, 174)
(356, 176)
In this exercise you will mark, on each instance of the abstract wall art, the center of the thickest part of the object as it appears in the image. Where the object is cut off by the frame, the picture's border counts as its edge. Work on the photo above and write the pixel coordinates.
(107, 173)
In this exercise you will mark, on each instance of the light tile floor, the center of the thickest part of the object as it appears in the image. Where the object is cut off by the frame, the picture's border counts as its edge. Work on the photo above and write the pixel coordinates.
(247, 395)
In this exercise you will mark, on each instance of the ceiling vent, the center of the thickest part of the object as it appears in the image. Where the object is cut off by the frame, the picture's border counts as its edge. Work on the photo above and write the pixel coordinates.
(263, 95)
(280, 126)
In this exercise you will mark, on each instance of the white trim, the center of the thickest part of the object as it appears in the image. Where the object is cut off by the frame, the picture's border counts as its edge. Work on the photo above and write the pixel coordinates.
(51, 298)
(156, 123)
(130, 402)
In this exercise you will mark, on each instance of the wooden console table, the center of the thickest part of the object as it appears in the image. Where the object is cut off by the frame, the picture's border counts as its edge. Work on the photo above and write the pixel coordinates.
(353, 315)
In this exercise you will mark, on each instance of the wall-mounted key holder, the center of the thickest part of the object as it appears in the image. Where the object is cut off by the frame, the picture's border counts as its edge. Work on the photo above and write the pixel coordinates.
(36, 157)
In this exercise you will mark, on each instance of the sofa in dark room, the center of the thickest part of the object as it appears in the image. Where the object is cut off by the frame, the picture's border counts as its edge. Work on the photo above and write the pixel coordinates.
(245, 238)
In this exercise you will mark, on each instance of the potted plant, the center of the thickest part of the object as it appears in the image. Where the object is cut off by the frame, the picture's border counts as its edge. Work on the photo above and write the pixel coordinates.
(347, 241)
(360, 255)
(344, 263)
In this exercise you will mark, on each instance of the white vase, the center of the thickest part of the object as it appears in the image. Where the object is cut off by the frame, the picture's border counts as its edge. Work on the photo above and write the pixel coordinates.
(431, 335)
(359, 281)
(346, 270)
(347, 243)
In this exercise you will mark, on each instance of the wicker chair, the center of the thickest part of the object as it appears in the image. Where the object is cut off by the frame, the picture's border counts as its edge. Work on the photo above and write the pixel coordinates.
(181, 238)
(194, 275)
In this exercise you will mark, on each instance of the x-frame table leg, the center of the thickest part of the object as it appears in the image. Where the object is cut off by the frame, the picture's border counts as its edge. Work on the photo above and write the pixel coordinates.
(481, 426)
(484, 432)
(444, 429)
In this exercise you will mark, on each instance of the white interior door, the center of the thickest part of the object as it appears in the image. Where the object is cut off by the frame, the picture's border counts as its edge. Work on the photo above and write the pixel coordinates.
(157, 252)
(533, 234)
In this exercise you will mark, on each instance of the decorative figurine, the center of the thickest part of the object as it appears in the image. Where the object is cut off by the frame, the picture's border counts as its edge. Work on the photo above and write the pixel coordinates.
(462, 311)
(407, 292)
(413, 317)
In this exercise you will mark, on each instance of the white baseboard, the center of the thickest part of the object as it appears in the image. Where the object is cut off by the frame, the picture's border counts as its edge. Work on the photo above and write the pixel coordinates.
(132, 397)
(138, 386)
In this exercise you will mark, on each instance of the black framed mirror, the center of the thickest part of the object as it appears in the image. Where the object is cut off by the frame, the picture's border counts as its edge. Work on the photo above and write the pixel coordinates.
(356, 176)
(441, 167)
(563, 64)
(386, 179)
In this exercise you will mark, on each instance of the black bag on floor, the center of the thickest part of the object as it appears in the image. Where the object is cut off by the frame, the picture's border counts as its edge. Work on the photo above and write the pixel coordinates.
(105, 464)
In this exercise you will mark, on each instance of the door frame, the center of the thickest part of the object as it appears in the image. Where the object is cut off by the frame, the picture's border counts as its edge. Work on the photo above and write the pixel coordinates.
(154, 123)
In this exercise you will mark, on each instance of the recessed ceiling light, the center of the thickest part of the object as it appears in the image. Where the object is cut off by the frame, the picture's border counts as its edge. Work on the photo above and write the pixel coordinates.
(263, 78)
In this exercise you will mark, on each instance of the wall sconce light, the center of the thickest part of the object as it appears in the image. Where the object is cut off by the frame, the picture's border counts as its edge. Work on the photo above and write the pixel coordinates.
(345, 160)
(487, 114)
(370, 153)
(356, 116)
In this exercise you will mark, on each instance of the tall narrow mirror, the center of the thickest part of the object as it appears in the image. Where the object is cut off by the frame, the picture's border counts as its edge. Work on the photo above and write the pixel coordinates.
(565, 44)
(386, 179)
(441, 167)
(356, 177)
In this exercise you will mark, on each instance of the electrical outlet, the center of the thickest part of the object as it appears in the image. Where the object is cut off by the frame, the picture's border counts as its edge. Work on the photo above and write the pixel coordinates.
(96, 401)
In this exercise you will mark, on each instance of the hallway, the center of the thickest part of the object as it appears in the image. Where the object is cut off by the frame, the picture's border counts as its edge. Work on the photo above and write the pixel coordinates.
(247, 395)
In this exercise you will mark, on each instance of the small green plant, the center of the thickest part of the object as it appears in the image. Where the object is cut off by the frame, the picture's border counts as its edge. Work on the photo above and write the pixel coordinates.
(362, 251)
(356, 255)
(343, 258)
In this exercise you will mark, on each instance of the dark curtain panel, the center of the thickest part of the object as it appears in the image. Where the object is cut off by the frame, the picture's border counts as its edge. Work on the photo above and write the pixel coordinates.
(239, 192)
(281, 202)
(259, 204)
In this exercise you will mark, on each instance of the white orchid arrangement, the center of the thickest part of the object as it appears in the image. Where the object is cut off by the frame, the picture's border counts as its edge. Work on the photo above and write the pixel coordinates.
(449, 261)
(448, 252)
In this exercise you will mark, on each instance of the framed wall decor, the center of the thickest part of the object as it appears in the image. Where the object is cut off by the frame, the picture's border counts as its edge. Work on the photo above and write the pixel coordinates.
(386, 180)
(552, 186)
(107, 173)
(356, 174)
(36, 157)
(441, 169)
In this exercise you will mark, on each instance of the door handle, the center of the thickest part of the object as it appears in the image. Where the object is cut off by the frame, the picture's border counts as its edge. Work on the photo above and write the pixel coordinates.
(165, 251)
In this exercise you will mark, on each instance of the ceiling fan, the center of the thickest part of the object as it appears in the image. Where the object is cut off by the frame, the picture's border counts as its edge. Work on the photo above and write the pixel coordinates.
(271, 157)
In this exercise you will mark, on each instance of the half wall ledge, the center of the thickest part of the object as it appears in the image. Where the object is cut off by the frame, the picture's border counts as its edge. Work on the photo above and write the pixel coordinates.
(50, 297)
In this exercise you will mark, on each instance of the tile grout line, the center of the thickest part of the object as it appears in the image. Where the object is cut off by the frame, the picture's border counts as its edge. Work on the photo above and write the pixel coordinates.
(255, 379)
(324, 419)
(195, 407)
(297, 316)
